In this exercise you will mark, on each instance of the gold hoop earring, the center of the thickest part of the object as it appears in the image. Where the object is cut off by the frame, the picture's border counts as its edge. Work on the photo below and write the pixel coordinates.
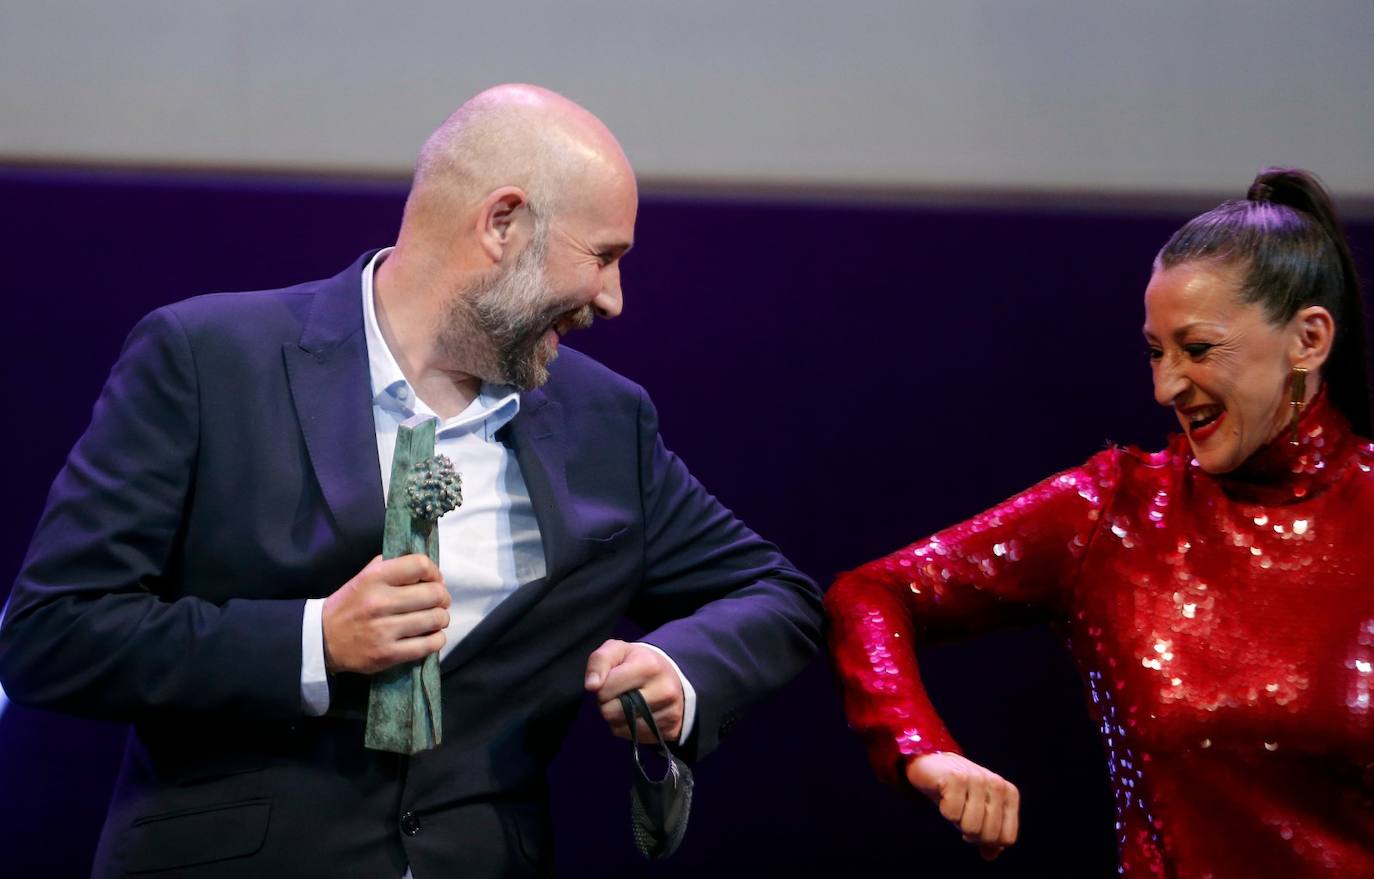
(1297, 398)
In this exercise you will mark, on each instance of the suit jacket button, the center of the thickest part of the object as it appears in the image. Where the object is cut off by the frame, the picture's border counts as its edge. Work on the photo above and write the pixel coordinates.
(410, 823)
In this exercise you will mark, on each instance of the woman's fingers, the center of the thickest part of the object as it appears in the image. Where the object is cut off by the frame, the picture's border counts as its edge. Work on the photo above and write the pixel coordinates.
(975, 806)
(1011, 815)
(983, 805)
(952, 793)
(990, 831)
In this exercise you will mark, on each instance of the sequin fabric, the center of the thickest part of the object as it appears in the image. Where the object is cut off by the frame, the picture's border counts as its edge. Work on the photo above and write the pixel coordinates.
(1224, 627)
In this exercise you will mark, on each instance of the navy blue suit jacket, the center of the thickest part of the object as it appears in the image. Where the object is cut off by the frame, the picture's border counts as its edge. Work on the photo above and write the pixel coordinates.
(229, 473)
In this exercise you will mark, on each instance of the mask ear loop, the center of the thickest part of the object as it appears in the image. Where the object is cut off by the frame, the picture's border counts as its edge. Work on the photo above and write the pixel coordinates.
(1297, 398)
(633, 704)
(658, 809)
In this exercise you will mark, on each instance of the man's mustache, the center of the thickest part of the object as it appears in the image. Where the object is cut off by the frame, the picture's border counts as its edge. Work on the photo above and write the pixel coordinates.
(580, 318)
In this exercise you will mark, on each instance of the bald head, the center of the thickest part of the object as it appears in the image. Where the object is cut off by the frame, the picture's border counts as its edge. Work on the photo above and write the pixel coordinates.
(513, 135)
(522, 206)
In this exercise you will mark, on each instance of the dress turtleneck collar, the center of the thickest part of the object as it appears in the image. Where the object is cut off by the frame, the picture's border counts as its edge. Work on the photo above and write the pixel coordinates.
(1282, 472)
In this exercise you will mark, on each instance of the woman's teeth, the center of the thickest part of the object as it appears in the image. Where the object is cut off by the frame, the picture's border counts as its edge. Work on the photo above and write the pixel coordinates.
(1203, 418)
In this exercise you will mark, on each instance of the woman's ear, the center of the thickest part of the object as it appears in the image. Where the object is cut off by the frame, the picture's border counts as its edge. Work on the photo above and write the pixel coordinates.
(1314, 332)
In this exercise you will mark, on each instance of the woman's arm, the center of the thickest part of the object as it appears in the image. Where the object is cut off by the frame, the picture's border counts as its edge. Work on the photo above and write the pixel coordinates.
(1023, 553)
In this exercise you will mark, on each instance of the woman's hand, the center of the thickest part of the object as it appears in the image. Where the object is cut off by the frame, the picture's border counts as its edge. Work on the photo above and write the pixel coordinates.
(983, 804)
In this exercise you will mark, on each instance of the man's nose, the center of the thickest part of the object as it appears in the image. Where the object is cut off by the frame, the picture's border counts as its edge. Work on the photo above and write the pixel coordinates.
(609, 301)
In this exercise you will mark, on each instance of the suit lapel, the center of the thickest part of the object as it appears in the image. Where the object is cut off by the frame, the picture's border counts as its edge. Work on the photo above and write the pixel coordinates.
(328, 374)
(536, 436)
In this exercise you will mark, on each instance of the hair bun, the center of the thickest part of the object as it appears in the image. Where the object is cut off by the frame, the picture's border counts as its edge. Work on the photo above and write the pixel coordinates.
(1292, 188)
(1296, 189)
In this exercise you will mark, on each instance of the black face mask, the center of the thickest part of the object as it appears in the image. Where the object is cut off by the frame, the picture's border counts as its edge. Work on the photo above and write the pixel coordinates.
(658, 808)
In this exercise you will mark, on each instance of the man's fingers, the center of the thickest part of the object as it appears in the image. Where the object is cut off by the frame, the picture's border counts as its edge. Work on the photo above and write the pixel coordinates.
(666, 701)
(391, 653)
(646, 736)
(616, 668)
(602, 660)
(614, 714)
(637, 668)
(636, 671)
(388, 601)
(668, 717)
(411, 649)
(420, 622)
(663, 692)
(668, 720)
(407, 599)
(405, 570)
(615, 719)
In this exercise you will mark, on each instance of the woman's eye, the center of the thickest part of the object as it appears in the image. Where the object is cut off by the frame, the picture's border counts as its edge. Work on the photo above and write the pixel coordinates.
(1197, 349)
(1154, 353)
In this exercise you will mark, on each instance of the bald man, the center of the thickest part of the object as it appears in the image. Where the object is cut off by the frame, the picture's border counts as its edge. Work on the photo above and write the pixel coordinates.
(206, 563)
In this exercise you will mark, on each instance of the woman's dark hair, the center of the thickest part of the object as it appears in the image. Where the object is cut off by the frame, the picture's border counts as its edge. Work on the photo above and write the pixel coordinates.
(1286, 237)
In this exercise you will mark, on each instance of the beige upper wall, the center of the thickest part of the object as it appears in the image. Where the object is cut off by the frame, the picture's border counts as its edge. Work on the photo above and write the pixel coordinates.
(1166, 96)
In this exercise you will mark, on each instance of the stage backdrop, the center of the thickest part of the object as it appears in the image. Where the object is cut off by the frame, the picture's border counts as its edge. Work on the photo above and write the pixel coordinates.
(978, 95)
(845, 377)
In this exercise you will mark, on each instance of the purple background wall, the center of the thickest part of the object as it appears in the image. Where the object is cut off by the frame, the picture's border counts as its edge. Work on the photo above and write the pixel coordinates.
(847, 378)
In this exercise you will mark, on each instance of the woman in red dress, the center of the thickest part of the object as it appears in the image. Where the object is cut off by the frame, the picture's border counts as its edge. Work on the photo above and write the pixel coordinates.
(1218, 595)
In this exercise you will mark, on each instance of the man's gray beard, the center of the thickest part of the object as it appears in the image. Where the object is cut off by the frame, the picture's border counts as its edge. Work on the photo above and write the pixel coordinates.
(497, 327)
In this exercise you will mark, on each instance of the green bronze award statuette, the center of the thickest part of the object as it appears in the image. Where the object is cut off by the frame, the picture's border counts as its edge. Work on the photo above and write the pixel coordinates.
(403, 709)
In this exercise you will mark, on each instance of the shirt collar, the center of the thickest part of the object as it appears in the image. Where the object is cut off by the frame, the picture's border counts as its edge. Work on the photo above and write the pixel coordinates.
(493, 408)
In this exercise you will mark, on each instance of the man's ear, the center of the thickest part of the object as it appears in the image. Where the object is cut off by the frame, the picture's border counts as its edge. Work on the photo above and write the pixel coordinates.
(499, 221)
(1314, 334)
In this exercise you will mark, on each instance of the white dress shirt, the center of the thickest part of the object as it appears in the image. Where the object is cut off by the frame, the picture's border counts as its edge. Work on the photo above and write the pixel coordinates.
(488, 547)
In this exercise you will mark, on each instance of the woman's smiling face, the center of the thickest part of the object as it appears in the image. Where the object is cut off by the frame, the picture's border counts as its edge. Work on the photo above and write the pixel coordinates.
(1219, 362)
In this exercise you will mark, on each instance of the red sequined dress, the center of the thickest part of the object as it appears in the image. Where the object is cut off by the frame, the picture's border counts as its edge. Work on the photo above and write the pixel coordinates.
(1224, 626)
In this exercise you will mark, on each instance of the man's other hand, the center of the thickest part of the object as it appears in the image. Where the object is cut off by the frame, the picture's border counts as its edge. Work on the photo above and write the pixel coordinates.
(618, 667)
(393, 611)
